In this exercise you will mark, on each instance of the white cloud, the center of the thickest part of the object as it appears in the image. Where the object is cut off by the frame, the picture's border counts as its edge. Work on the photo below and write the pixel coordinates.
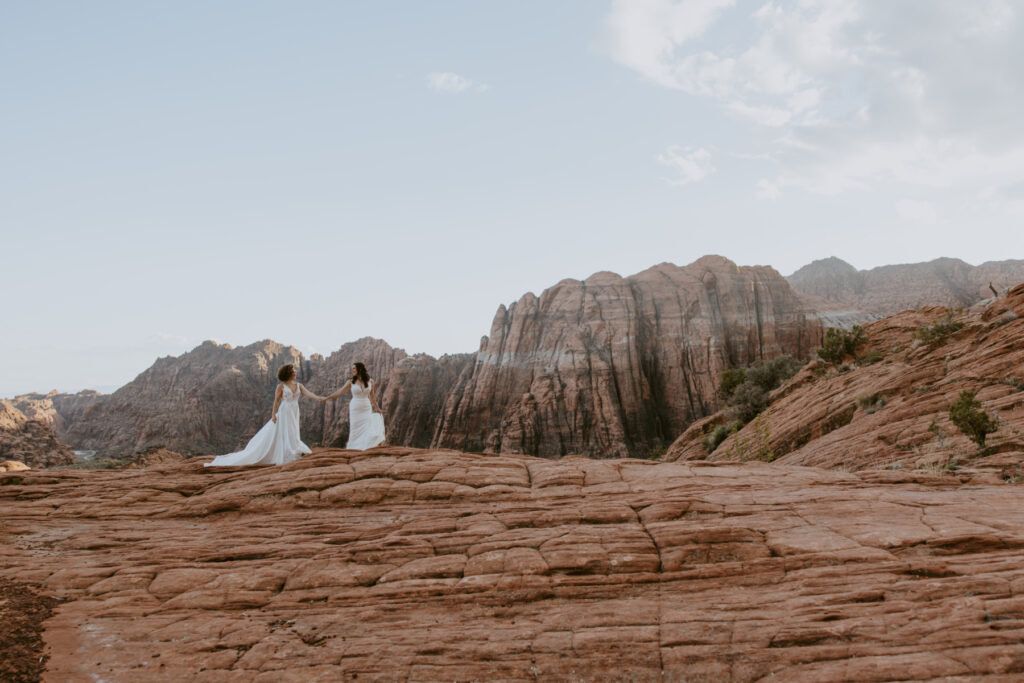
(643, 34)
(449, 82)
(690, 165)
(855, 95)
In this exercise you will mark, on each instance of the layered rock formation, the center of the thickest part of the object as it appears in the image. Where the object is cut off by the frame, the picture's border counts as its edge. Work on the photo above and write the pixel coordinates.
(890, 289)
(615, 366)
(56, 409)
(210, 400)
(214, 398)
(894, 412)
(327, 423)
(416, 394)
(29, 440)
(609, 366)
(396, 564)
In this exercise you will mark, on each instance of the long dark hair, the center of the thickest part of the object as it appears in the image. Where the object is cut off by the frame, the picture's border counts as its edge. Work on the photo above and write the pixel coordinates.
(362, 375)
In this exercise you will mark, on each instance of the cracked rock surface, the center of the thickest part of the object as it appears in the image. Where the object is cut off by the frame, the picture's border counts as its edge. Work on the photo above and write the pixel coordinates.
(403, 564)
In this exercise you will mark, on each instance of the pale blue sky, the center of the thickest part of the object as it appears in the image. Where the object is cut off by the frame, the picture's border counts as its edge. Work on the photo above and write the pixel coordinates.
(315, 172)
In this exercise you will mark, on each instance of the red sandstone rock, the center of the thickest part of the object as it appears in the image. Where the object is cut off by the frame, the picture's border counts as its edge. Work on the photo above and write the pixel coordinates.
(398, 564)
(610, 366)
(210, 400)
(411, 390)
(55, 409)
(214, 398)
(620, 366)
(29, 440)
(153, 457)
(895, 412)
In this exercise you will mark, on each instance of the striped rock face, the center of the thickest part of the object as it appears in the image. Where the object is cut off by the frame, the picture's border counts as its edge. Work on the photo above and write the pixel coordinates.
(401, 564)
(614, 366)
(890, 409)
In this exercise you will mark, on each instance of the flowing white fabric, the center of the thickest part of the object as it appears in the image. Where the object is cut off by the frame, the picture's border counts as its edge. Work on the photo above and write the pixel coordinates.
(365, 427)
(275, 443)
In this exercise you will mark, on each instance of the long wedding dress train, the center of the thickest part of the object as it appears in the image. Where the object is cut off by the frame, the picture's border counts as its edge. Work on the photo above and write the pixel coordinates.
(275, 443)
(365, 427)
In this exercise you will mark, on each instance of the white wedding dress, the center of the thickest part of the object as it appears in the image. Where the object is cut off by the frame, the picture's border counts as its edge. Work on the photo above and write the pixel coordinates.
(276, 443)
(365, 427)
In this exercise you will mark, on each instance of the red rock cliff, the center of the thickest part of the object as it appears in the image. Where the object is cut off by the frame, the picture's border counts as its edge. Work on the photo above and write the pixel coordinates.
(29, 440)
(615, 366)
(210, 400)
(894, 412)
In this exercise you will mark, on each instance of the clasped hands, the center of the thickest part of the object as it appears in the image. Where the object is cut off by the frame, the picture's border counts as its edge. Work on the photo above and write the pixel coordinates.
(323, 399)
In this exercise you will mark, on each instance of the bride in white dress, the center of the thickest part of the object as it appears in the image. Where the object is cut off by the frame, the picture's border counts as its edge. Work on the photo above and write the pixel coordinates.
(365, 427)
(278, 441)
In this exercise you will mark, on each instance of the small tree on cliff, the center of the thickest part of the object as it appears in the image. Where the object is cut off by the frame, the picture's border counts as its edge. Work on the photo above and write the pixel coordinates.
(842, 343)
(970, 417)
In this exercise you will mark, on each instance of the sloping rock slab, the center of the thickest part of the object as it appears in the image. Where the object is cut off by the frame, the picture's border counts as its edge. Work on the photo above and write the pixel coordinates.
(401, 564)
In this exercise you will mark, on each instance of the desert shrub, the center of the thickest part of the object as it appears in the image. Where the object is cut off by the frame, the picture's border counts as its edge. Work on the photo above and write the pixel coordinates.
(747, 401)
(871, 357)
(749, 387)
(1013, 382)
(842, 343)
(769, 374)
(762, 437)
(731, 379)
(969, 416)
(656, 453)
(715, 438)
(938, 331)
(96, 464)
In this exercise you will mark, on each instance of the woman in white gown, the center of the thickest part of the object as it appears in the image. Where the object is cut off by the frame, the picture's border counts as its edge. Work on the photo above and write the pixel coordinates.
(365, 427)
(278, 441)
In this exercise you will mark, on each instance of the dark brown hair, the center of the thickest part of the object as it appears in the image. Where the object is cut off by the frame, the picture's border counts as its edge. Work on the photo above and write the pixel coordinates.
(361, 374)
(286, 372)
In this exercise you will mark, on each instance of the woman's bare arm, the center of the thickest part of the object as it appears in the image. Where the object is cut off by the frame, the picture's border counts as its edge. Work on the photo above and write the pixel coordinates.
(339, 392)
(307, 392)
(277, 401)
(373, 400)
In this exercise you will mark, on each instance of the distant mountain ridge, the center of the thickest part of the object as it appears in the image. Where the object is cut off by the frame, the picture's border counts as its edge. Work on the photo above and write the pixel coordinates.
(890, 289)
(607, 366)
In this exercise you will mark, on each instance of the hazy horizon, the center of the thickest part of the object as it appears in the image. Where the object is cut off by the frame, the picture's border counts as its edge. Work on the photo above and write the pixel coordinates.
(316, 174)
(107, 389)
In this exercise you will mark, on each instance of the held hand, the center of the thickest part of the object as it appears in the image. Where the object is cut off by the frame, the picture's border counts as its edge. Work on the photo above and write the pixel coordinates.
(274, 419)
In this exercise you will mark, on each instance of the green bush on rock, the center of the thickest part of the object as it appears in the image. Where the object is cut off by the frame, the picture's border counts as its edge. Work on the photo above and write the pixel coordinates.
(842, 343)
(969, 416)
(746, 390)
